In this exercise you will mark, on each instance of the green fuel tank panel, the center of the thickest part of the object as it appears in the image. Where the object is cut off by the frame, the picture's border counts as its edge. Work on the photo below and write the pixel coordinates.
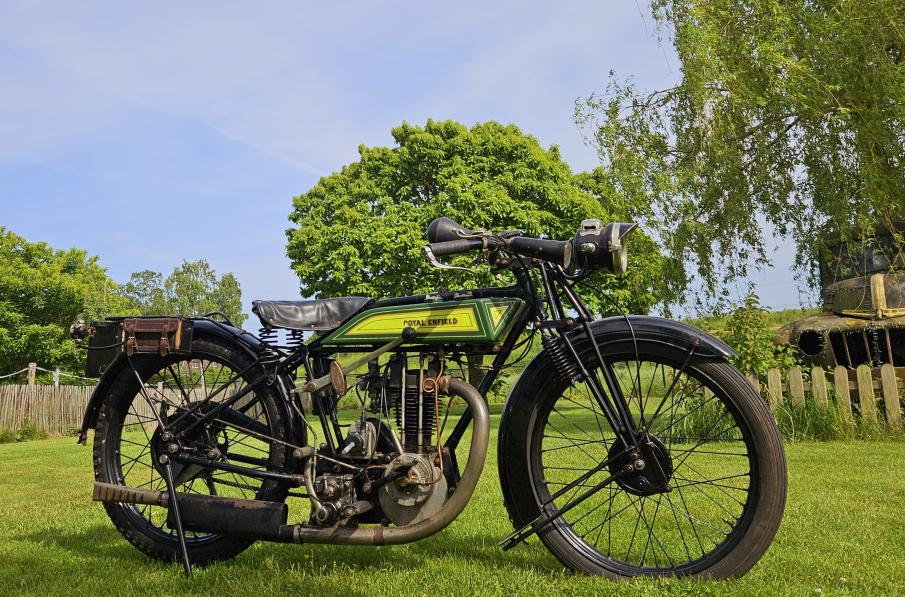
(483, 321)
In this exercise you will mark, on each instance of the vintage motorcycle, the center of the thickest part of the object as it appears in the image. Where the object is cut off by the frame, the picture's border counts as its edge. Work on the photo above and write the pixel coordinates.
(628, 445)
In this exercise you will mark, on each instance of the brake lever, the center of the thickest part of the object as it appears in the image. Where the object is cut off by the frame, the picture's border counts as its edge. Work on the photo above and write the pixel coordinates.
(429, 255)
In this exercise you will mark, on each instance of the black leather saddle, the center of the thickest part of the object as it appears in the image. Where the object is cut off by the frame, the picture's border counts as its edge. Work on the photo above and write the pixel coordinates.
(318, 315)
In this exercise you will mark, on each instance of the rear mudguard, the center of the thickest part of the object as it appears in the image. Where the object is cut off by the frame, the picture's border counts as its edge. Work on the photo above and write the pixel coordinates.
(606, 332)
(202, 327)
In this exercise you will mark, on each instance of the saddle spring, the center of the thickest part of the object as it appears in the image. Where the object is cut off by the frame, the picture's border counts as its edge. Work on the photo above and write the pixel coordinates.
(266, 353)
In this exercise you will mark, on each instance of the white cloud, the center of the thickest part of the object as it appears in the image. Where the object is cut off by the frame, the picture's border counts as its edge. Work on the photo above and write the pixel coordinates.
(307, 84)
(238, 106)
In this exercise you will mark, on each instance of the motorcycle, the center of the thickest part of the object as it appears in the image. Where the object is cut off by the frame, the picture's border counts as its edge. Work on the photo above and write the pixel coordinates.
(629, 445)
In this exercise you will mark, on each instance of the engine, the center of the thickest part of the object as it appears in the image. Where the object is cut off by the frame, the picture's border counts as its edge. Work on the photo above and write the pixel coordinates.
(405, 480)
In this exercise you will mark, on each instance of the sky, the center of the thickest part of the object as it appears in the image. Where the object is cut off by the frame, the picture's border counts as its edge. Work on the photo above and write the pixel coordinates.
(149, 133)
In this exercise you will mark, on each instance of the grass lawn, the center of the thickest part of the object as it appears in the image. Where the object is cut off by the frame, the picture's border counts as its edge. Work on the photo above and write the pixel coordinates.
(843, 534)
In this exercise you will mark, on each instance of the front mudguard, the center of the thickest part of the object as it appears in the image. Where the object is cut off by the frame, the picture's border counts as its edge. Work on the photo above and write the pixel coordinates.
(608, 331)
(239, 337)
(611, 330)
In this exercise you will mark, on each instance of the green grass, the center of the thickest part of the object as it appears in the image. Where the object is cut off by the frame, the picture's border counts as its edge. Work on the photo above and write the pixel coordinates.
(843, 534)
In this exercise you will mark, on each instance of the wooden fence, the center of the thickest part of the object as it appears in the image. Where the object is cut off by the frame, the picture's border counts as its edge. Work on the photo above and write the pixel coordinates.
(871, 395)
(55, 410)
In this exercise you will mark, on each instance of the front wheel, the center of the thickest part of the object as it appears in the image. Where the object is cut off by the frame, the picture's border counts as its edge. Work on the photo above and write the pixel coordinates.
(711, 490)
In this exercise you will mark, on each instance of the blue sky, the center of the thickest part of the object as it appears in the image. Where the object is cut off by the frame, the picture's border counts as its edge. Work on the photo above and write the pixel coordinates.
(151, 132)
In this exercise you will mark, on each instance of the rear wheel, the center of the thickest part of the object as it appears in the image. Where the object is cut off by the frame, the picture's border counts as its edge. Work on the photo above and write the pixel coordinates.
(708, 496)
(128, 444)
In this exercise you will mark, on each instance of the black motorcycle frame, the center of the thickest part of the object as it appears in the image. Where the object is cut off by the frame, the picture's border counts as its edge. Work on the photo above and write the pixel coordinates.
(547, 312)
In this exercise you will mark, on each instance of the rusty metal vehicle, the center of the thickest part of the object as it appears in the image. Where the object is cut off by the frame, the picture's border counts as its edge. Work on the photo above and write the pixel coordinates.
(629, 445)
(863, 292)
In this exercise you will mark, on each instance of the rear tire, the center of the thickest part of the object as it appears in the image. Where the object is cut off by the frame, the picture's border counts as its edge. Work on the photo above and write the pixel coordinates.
(128, 460)
(729, 493)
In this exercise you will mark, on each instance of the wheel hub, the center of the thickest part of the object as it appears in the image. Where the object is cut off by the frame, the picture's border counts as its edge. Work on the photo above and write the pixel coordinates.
(201, 441)
(645, 469)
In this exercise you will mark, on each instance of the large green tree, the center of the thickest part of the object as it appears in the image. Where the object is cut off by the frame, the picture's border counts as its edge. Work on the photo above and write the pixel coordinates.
(193, 288)
(42, 292)
(360, 230)
(788, 113)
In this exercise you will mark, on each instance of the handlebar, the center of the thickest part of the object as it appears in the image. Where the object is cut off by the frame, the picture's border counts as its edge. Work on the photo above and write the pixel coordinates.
(556, 251)
(595, 246)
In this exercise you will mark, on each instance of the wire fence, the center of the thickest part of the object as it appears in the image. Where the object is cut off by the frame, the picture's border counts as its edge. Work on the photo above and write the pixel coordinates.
(30, 372)
(46, 409)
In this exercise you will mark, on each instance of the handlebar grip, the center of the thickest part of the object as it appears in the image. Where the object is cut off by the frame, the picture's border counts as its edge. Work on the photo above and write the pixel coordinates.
(556, 251)
(451, 247)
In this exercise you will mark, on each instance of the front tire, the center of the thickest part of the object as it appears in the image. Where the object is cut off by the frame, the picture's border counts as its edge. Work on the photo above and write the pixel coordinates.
(712, 437)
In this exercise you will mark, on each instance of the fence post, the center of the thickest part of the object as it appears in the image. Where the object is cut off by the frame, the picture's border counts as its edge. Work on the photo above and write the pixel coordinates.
(774, 388)
(866, 395)
(31, 373)
(752, 378)
(890, 395)
(56, 377)
(843, 392)
(796, 386)
(818, 387)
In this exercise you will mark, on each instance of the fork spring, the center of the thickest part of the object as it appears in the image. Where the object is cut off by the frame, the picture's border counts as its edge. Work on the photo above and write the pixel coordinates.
(565, 365)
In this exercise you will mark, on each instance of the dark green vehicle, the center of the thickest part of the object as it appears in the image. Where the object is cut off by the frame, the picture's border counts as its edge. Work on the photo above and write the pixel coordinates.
(863, 290)
(629, 445)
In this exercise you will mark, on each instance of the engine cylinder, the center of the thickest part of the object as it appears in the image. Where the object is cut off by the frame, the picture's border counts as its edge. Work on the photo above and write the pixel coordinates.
(414, 408)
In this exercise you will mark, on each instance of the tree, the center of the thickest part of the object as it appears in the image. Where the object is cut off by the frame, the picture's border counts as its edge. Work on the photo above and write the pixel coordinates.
(145, 289)
(191, 289)
(788, 113)
(360, 230)
(42, 292)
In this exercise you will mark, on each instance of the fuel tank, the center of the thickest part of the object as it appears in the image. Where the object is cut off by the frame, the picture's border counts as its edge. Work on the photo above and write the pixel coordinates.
(480, 321)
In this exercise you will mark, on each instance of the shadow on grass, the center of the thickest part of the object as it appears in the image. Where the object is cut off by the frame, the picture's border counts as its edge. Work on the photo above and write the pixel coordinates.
(98, 541)
(484, 549)
(102, 542)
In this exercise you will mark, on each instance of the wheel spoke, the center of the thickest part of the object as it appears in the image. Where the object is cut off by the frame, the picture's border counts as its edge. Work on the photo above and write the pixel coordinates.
(177, 388)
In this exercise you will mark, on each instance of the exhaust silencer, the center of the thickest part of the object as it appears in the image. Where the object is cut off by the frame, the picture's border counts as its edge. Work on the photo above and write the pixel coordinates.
(255, 519)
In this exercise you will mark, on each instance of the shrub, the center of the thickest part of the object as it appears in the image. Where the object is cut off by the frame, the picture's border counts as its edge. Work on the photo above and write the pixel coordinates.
(29, 431)
(750, 336)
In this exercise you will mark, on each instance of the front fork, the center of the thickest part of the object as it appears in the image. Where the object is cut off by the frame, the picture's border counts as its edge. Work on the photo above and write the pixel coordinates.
(608, 395)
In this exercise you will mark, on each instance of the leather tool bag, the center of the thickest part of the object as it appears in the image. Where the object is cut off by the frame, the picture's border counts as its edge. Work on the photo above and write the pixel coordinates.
(158, 335)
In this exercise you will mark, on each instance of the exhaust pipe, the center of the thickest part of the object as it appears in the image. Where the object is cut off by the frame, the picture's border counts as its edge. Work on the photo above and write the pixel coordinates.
(256, 519)
(451, 508)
